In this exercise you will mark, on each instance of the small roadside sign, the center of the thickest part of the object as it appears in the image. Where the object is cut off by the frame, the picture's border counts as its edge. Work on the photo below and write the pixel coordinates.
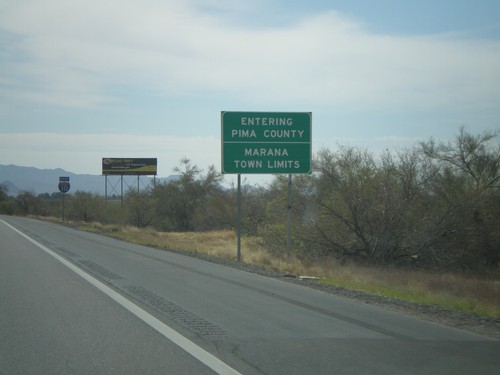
(64, 184)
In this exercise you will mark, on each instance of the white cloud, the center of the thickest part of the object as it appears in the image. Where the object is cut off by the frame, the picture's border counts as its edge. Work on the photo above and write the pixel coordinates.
(76, 52)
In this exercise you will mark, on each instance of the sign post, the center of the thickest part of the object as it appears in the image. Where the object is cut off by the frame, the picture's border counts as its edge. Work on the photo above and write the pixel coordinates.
(238, 203)
(266, 143)
(64, 187)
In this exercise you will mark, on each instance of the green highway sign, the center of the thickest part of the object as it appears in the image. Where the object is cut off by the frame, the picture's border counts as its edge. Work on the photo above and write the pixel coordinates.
(266, 142)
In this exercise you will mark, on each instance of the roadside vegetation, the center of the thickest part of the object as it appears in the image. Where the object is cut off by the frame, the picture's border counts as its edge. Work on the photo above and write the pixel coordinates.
(420, 224)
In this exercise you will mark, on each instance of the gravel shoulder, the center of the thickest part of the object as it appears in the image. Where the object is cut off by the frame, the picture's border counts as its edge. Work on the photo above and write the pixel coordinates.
(482, 325)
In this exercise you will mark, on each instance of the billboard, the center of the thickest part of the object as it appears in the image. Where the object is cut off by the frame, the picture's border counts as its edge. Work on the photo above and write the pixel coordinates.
(123, 166)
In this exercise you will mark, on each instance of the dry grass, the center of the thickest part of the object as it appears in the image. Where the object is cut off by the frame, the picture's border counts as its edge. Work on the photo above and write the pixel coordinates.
(449, 290)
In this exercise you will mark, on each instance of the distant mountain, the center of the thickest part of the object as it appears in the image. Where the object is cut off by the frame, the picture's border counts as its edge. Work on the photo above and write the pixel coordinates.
(38, 181)
(12, 189)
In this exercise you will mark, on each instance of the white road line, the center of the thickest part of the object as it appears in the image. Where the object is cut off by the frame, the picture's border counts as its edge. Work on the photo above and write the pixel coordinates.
(197, 352)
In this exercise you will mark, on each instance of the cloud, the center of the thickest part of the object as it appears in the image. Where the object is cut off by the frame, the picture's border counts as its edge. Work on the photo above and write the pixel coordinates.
(77, 53)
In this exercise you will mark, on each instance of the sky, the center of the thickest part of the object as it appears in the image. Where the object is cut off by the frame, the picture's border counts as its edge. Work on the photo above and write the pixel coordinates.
(85, 79)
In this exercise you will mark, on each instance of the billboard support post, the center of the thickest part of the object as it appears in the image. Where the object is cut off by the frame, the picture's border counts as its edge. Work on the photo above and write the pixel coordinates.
(121, 191)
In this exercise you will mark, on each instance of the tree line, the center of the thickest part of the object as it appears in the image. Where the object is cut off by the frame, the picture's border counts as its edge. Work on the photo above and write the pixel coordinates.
(435, 205)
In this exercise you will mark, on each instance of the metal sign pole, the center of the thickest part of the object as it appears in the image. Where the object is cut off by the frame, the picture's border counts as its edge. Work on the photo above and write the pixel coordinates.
(289, 221)
(64, 195)
(239, 217)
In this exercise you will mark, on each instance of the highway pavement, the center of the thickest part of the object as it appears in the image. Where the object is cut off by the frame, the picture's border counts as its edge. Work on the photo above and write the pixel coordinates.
(73, 302)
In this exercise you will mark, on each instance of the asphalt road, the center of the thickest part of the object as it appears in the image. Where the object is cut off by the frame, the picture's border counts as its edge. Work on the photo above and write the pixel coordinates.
(78, 303)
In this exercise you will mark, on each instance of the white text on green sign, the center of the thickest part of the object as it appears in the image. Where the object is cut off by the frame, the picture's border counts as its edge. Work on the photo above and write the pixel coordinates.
(266, 142)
